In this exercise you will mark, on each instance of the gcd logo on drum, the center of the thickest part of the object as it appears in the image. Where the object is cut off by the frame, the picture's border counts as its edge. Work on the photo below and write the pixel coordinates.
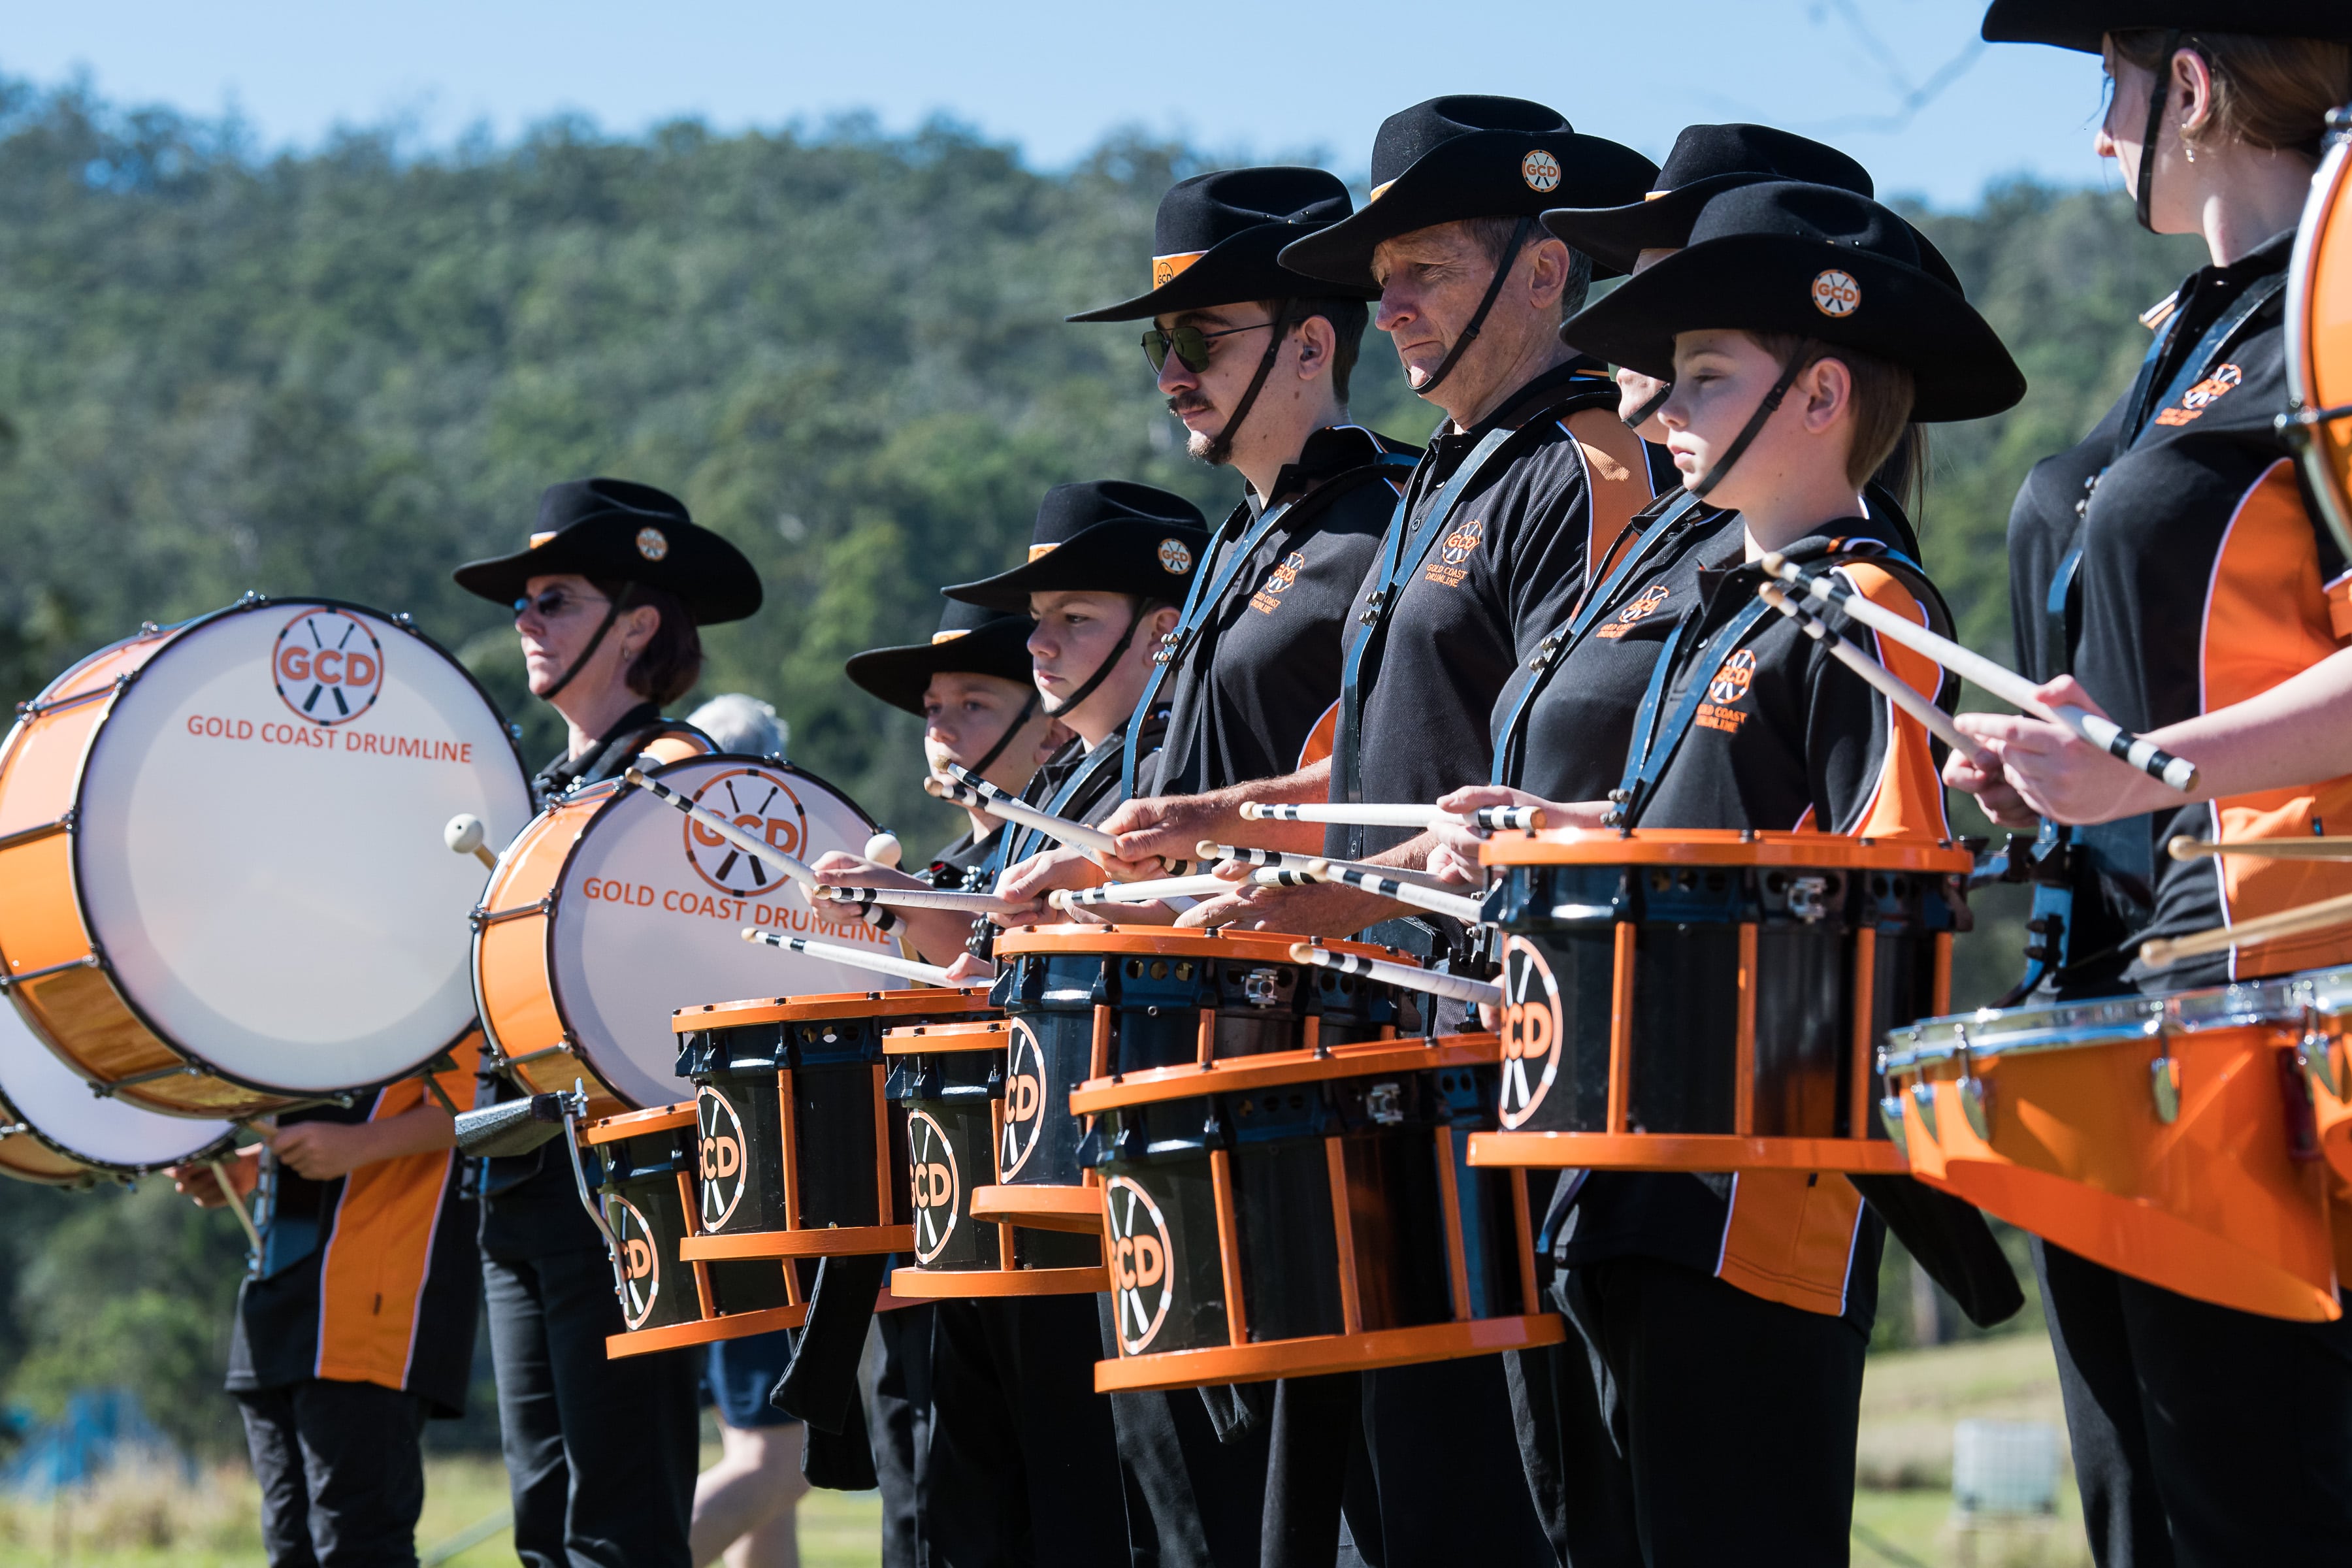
(327, 666)
(1024, 1099)
(931, 1170)
(1531, 1031)
(640, 1261)
(761, 805)
(1142, 1286)
(718, 1142)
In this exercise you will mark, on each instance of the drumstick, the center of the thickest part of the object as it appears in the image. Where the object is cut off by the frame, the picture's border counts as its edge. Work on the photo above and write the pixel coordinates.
(1376, 879)
(758, 848)
(855, 957)
(1891, 686)
(1161, 888)
(921, 899)
(2164, 953)
(236, 1206)
(1249, 855)
(1411, 977)
(2183, 847)
(2006, 684)
(967, 789)
(464, 836)
(1491, 819)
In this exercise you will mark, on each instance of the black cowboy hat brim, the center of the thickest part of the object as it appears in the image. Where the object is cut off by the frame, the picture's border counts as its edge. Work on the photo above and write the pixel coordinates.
(717, 581)
(2083, 25)
(1236, 270)
(1762, 283)
(1124, 556)
(1618, 235)
(900, 675)
(1452, 182)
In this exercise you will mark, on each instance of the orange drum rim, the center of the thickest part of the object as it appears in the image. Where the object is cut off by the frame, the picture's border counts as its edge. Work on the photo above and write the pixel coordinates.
(1720, 847)
(703, 1331)
(985, 1035)
(1270, 1070)
(957, 1284)
(1322, 1353)
(1684, 1151)
(833, 1005)
(2326, 456)
(635, 1123)
(1251, 946)
(1040, 1207)
(820, 1241)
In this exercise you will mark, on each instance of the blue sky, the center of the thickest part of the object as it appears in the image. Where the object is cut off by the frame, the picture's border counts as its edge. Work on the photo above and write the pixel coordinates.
(1899, 83)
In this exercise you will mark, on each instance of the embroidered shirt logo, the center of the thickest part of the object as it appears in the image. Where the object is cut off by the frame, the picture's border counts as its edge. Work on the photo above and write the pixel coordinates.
(1835, 293)
(2194, 401)
(1724, 691)
(1453, 556)
(1540, 169)
(1635, 614)
(1174, 558)
(1268, 597)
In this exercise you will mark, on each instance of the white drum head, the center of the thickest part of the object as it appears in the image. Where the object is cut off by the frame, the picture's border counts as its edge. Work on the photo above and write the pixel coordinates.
(651, 911)
(55, 1103)
(260, 844)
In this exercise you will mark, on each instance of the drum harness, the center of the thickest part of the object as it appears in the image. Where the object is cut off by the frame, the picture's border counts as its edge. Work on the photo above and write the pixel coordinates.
(2056, 858)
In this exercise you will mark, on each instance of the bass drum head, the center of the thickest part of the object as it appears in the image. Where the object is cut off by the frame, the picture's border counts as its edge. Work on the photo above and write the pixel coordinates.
(2319, 334)
(259, 844)
(55, 1106)
(650, 914)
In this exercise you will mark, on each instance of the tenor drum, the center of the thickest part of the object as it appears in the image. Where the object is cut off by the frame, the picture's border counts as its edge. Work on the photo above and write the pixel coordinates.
(1710, 1001)
(58, 1133)
(800, 1154)
(1310, 1211)
(2319, 333)
(646, 1186)
(222, 891)
(611, 911)
(2171, 1138)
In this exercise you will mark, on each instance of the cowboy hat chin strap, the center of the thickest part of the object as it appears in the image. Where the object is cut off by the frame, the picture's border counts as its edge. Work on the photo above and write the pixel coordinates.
(1221, 444)
(1493, 291)
(2159, 90)
(1802, 356)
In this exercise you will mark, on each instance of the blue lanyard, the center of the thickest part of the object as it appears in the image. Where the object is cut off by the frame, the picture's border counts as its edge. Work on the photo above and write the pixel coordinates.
(1654, 744)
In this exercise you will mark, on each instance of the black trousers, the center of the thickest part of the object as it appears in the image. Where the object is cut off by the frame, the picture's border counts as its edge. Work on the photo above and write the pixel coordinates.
(1022, 1468)
(898, 1417)
(601, 1455)
(1694, 1425)
(2202, 1436)
(1193, 1500)
(342, 1478)
(1437, 1480)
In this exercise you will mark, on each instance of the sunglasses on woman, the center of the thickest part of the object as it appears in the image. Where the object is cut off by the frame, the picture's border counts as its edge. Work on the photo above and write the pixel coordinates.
(553, 603)
(1190, 344)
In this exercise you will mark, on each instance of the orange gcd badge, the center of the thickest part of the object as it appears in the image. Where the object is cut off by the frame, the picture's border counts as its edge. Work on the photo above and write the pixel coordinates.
(1732, 678)
(640, 1261)
(1141, 1285)
(1024, 1099)
(328, 666)
(760, 804)
(719, 1144)
(932, 1172)
(1532, 1032)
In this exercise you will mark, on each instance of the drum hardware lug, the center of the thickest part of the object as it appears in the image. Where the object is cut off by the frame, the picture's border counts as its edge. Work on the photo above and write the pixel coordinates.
(2164, 1085)
(2316, 1052)
(1923, 1100)
(1809, 897)
(1383, 1104)
(1890, 1116)
(403, 620)
(1976, 1101)
(33, 835)
(1261, 989)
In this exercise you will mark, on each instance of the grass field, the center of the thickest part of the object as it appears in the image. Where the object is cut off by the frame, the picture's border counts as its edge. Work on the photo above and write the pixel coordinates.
(1903, 1514)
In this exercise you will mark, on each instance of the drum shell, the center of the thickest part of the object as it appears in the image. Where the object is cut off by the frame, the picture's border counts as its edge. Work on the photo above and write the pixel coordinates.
(645, 1188)
(514, 958)
(952, 1103)
(2319, 335)
(836, 1078)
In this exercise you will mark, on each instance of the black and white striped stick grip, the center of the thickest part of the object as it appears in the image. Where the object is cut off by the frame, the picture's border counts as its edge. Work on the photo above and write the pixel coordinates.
(855, 957)
(1456, 987)
(1465, 910)
(1491, 819)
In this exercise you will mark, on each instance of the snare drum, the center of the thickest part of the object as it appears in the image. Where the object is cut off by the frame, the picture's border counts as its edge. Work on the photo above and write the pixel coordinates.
(222, 889)
(646, 1187)
(1710, 1001)
(2319, 337)
(1310, 1211)
(800, 1154)
(610, 911)
(58, 1133)
(2171, 1138)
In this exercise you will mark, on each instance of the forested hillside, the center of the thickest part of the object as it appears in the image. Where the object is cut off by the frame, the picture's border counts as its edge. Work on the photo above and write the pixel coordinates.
(344, 371)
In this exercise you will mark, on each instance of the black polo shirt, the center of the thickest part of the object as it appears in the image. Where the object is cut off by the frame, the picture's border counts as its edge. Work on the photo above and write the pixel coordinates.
(1507, 570)
(2205, 579)
(1264, 669)
(952, 866)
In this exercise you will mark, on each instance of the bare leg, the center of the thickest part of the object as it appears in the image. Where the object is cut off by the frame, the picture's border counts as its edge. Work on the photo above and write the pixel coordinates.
(743, 1504)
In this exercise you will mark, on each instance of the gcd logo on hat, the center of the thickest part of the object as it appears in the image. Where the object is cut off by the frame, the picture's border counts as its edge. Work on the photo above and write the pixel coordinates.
(718, 1142)
(1532, 1031)
(1024, 1099)
(761, 805)
(1835, 293)
(652, 543)
(1174, 558)
(1540, 169)
(328, 666)
(1141, 1280)
(931, 1169)
(640, 1261)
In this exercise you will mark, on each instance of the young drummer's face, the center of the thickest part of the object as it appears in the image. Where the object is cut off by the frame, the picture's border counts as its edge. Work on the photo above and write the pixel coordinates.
(965, 714)
(1635, 391)
(1720, 379)
(1075, 633)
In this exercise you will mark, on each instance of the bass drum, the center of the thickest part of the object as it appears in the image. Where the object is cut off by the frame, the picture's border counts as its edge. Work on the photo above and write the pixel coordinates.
(611, 911)
(2319, 331)
(60, 1134)
(223, 890)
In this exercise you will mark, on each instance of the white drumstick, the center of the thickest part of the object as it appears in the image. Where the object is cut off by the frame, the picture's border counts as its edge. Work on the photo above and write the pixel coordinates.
(236, 1206)
(2006, 684)
(1154, 890)
(2337, 847)
(1409, 977)
(465, 835)
(966, 788)
(1891, 686)
(855, 957)
(759, 849)
(1378, 881)
(921, 899)
(1249, 855)
(1491, 819)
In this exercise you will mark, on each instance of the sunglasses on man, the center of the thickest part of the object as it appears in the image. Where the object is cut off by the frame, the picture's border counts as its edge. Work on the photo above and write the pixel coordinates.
(1190, 345)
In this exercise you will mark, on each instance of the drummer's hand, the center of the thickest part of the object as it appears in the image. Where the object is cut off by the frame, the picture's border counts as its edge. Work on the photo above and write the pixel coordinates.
(1160, 830)
(199, 1184)
(970, 969)
(323, 1151)
(838, 869)
(2061, 775)
(1322, 909)
(1029, 882)
(2004, 805)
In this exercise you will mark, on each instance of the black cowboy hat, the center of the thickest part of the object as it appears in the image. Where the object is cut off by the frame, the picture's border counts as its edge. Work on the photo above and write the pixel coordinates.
(1101, 536)
(611, 530)
(1471, 156)
(1216, 239)
(971, 640)
(2083, 24)
(1820, 263)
